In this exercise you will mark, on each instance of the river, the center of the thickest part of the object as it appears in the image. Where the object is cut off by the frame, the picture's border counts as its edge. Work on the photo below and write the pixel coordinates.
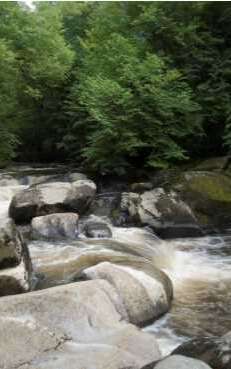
(200, 269)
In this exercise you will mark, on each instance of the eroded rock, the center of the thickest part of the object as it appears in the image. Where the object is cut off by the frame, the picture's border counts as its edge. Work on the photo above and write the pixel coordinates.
(15, 263)
(215, 351)
(181, 362)
(49, 198)
(96, 227)
(10, 244)
(55, 226)
(145, 296)
(208, 194)
(162, 210)
(73, 326)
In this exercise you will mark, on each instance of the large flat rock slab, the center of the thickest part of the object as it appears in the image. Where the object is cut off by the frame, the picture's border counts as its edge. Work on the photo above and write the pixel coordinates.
(80, 325)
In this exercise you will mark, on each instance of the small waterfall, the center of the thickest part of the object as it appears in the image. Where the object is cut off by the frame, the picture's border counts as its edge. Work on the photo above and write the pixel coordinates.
(201, 276)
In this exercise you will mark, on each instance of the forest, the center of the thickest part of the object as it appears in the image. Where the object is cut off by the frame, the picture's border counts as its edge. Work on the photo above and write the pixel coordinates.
(115, 86)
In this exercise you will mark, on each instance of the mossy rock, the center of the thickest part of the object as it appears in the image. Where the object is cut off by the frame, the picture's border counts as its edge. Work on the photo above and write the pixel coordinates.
(208, 194)
(3, 164)
(214, 164)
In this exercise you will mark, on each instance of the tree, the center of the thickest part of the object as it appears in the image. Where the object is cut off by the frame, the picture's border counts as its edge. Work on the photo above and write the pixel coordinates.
(136, 107)
(43, 60)
(9, 80)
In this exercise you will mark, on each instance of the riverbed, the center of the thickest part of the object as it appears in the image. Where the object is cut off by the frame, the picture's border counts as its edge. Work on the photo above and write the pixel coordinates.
(199, 268)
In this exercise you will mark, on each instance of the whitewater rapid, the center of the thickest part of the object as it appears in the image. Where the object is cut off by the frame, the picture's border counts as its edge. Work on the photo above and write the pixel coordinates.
(200, 270)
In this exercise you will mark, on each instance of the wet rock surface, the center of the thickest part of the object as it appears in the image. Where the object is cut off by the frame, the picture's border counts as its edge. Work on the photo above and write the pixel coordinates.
(65, 261)
(215, 351)
(51, 198)
(206, 192)
(80, 322)
(55, 226)
(181, 362)
(15, 263)
(94, 227)
(162, 210)
(134, 286)
(10, 244)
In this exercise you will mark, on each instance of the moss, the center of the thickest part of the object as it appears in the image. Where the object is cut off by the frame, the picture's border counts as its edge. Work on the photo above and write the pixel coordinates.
(214, 187)
(115, 214)
(3, 164)
(203, 218)
(216, 164)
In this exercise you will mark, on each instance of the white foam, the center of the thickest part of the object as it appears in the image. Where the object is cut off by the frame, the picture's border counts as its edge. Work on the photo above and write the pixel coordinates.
(6, 194)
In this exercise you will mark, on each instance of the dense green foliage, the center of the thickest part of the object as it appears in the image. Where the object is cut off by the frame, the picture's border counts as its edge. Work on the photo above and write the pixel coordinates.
(115, 85)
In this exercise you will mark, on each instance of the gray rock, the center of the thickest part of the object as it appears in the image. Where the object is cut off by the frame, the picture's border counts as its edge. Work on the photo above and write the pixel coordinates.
(15, 263)
(15, 280)
(162, 210)
(168, 214)
(49, 198)
(215, 351)
(208, 194)
(76, 176)
(25, 231)
(145, 297)
(94, 227)
(49, 178)
(181, 362)
(141, 186)
(10, 244)
(55, 226)
(74, 326)
(216, 164)
(107, 205)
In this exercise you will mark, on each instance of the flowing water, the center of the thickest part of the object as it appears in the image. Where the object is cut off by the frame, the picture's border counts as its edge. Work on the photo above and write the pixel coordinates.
(200, 269)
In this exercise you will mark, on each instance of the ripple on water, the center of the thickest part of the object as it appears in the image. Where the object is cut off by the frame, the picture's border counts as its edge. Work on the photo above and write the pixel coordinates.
(200, 270)
(201, 274)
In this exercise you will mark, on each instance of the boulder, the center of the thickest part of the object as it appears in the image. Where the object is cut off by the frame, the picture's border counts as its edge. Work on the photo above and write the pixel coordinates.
(129, 206)
(145, 297)
(214, 164)
(215, 351)
(55, 177)
(181, 362)
(141, 186)
(95, 227)
(10, 244)
(55, 226)
(15, 264)
(162, 210)
(49, 198)
(75, 326)
(76, 176)
(208, 194)
(25, 231)
(88, 356)
(17, 279)
(107, 205)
